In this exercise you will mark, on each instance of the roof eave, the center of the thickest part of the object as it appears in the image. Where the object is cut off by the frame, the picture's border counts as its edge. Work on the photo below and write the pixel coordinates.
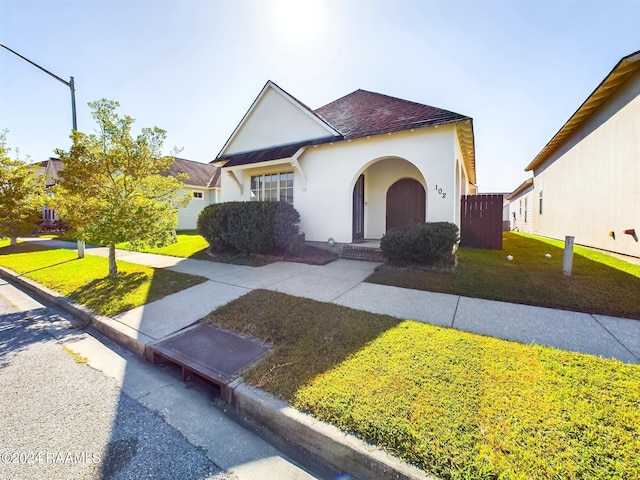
(623, 70)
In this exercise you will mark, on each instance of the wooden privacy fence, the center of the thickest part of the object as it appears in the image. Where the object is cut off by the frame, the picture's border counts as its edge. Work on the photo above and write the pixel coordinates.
(481, 221)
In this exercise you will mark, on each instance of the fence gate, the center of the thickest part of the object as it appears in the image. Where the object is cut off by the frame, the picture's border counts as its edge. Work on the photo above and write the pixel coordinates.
(481, 221)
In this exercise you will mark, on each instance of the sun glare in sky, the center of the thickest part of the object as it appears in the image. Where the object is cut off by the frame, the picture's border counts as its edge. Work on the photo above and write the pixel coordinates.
(298, 33)
(298, 23)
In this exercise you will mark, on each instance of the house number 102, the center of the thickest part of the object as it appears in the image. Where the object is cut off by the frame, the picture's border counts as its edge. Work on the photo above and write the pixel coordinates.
(440, 192)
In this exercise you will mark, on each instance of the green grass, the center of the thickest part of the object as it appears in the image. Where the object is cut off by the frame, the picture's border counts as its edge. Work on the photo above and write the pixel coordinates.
(86, 281)
(599, 283)
(456, 404)
(189, 244)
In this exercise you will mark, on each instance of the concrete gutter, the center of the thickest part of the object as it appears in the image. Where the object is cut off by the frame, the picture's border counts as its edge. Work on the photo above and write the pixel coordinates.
(342, 452)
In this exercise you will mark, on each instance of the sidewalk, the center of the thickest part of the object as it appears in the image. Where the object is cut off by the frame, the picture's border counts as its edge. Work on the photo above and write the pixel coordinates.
(341, 282)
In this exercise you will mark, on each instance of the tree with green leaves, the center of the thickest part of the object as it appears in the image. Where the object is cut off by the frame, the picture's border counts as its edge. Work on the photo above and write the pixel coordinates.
(116, 188)
(21, 195)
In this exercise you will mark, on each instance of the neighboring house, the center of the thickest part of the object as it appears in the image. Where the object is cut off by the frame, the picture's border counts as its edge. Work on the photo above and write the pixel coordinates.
(587, 178)
(520, 207)
(202, 187)
(354, 168)
(50, 169)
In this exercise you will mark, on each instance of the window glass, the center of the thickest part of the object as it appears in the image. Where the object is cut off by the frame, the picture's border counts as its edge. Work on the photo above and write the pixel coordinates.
(272, 187)
(286, 187)
(540, 202)
(256, 188)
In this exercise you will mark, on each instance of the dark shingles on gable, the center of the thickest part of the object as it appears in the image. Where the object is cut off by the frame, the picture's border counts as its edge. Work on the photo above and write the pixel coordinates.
(271, 153)
(364, 113)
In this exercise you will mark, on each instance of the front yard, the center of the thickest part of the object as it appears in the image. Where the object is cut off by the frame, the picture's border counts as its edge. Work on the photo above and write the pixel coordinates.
(86, 281)
(599, 283)
(458, 405)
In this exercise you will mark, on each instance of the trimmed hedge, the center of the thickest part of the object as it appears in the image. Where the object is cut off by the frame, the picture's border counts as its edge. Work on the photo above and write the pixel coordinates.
(425, 244)
(251, 227)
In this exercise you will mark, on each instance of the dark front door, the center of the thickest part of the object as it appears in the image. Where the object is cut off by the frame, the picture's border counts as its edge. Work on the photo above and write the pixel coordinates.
(406, 203)
(358, 210)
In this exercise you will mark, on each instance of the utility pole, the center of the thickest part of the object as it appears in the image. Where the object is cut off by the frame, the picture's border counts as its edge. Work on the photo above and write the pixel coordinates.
(74, 120)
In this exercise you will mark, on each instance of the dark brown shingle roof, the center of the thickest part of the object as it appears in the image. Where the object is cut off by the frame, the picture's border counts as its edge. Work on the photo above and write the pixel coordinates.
(200, 174)
(364, 113)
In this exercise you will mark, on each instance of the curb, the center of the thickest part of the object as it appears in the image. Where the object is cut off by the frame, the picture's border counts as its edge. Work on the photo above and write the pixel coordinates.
(342, 452)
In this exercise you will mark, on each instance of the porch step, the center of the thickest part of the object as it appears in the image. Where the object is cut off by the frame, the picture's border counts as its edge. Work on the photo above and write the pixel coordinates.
(368, 254)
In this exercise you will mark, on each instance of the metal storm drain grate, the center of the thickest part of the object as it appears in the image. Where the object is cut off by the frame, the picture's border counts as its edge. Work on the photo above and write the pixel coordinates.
(215, 354)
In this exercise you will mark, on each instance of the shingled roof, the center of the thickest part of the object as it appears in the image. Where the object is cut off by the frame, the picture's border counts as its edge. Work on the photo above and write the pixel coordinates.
(364, 113)
(202, 175)
(361, 114)
(271, 153)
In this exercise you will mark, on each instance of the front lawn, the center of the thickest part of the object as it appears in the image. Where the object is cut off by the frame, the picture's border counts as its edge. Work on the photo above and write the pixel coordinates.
(86, 281)
(189, 244)
(456, 404)
(599, 283)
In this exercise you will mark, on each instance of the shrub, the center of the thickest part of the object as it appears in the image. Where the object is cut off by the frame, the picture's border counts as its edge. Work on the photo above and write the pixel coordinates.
(251, 227)
(425, 244)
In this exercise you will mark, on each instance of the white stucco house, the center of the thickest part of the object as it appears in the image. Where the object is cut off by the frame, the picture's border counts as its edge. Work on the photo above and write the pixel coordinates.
(353, 168)
(586, 180)
(202, 187)
(520, 207)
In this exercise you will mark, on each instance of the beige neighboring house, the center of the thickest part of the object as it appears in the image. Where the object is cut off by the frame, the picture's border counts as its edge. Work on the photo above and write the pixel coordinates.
(49, 168)
(353, 168)
(202, 187)
(520, 207)
(586, 180)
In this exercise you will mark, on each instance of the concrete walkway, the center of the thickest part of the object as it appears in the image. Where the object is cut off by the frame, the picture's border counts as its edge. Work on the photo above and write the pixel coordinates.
(341, 282)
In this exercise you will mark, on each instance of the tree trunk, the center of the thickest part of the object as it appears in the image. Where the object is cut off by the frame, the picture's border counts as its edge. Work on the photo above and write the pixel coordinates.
(113, 268)
(14, 240)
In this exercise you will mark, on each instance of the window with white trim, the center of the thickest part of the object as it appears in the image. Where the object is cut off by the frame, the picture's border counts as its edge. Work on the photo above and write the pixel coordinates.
(198, 195)
(540, 200)
(272, 187)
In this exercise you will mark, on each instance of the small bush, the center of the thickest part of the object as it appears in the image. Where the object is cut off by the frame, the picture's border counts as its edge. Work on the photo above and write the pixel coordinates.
(251, 227)
(425, 244)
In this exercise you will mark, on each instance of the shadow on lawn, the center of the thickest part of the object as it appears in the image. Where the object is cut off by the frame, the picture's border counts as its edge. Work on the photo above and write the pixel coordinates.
(308, 337)
(94, 293)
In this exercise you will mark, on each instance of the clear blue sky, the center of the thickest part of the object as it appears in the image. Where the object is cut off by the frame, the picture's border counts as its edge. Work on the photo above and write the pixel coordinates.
(193, 67)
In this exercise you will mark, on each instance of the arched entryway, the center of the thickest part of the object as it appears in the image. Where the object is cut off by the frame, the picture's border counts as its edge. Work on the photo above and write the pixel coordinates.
(406, 203)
